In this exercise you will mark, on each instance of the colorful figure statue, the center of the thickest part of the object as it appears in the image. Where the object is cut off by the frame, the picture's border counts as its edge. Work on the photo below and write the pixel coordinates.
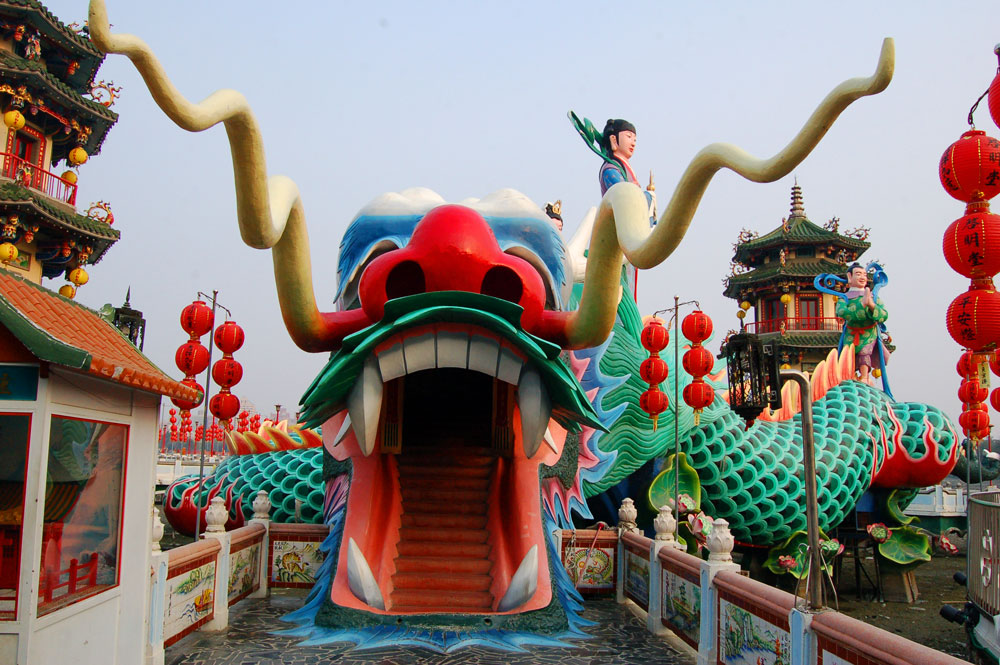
(862, 314)
(615, 145)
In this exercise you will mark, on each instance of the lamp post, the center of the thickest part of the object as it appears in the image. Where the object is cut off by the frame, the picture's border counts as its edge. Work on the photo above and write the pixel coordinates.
(204, 421)
(814, 580)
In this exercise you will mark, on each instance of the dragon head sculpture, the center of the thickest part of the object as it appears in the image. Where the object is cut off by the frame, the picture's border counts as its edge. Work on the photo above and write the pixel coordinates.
(446, 396)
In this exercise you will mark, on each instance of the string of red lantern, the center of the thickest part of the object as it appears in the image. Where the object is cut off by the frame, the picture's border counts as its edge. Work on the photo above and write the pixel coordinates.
(970, 172)
(227, 372)
(698, 362)
(653, 370)
(192, 356)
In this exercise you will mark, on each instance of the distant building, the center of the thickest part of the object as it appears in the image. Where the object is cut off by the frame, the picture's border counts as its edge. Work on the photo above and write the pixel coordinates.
(783, 263)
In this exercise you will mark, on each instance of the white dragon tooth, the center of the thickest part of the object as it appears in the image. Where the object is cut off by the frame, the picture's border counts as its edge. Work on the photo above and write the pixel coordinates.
(452, 349)
(483, 354)
(392, 363)
(508, 366)
(549, 441)
(360, 578)
(524, 583)
(345, 427)
(364, 405)
(536, 410)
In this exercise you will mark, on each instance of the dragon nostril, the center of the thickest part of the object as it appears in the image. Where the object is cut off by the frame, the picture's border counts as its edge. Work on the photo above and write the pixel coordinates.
(502, 282)
(405, 279)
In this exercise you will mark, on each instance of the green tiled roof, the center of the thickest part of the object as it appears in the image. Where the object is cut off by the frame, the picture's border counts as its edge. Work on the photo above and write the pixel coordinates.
(83, 50)
(99, 233)
(774, 269)
(17, 70)
(805, 340)
(802, 232)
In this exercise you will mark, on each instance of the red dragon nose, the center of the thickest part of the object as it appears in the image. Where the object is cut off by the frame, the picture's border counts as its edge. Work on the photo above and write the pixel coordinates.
(452, 249)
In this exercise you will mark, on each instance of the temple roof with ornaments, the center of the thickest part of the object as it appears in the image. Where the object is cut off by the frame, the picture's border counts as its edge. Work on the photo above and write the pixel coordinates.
(795, 252)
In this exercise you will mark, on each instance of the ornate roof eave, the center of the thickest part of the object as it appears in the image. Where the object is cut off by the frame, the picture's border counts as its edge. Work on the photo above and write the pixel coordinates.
(804, 339)
(735, 289)
(84, 50)
(16, 71)
(780, 238)
(99, 234)
(63, 332)
(795, 269)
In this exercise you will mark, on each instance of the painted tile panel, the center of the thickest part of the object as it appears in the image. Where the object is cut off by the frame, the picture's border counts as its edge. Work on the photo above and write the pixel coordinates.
(746, 639)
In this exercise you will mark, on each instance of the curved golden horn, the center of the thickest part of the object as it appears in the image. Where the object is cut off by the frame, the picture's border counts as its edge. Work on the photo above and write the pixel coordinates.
(269, 210)
(622, 224)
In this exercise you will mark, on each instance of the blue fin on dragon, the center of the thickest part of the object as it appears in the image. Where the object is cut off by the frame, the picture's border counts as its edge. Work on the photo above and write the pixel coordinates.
(476, 395)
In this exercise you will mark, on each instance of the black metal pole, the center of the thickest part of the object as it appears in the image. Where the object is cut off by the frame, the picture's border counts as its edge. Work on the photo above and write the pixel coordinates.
(204, 423)
(815, 581)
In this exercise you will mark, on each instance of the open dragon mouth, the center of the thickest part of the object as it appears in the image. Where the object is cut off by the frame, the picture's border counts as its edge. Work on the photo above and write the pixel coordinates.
(451, 408)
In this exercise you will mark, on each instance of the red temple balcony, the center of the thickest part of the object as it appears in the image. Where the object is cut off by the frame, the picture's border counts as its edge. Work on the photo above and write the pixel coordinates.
(797, 324)
(38, 179)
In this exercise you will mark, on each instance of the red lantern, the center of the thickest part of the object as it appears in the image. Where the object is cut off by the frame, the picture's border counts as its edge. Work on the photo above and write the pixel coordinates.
(698, 394)
(697, 326)
(184, 404)
(995, 399)
(966, 365)
(654, 402)
(698, 361)
(974, 420)
(972, 245)
(654, 370)
(970, 167)
(197, 319)
(973, 318)
(229, 337)
(654, 335)
(192, 357)
(994, 98)
(227, 372)
(224, 405)
(971, 392)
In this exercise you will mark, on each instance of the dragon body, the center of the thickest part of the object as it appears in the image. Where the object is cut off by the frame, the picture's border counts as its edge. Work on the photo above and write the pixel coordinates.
(475, 397)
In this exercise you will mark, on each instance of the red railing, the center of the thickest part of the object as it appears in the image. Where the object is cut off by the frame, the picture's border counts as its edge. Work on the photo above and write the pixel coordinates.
(78, 576)
(38, 179)
(800, 323)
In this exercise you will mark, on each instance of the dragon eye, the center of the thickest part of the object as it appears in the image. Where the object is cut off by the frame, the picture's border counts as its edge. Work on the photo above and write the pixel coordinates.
(502, 282)
(405, 279)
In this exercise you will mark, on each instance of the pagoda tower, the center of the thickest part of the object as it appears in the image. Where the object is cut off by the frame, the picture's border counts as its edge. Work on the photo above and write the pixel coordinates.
(53, 115)
(774, 274)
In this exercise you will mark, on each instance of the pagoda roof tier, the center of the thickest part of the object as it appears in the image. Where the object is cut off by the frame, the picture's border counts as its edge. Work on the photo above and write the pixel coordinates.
(797, 231)
(77, 46)
(774, 271)
(28, 203)
(63, 332)
(46, 90)
(804, 339)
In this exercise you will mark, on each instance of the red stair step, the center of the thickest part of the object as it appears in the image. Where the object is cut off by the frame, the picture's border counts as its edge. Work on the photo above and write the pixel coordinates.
(431, 548)
(449, 494)
(440, 507)
(433, 481)
(424, 564)
(434, 521)
(424, 599)
(442, 581)
(451, 535)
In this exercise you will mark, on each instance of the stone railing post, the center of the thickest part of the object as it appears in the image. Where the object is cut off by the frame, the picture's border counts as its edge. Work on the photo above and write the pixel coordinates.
(664, 524)
(216, 517)
(262, 516)
(627, 515)
(720, 543)
(159, 562)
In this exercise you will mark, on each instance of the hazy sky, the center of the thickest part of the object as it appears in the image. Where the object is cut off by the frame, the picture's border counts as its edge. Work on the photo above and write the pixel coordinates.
(356, 99)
